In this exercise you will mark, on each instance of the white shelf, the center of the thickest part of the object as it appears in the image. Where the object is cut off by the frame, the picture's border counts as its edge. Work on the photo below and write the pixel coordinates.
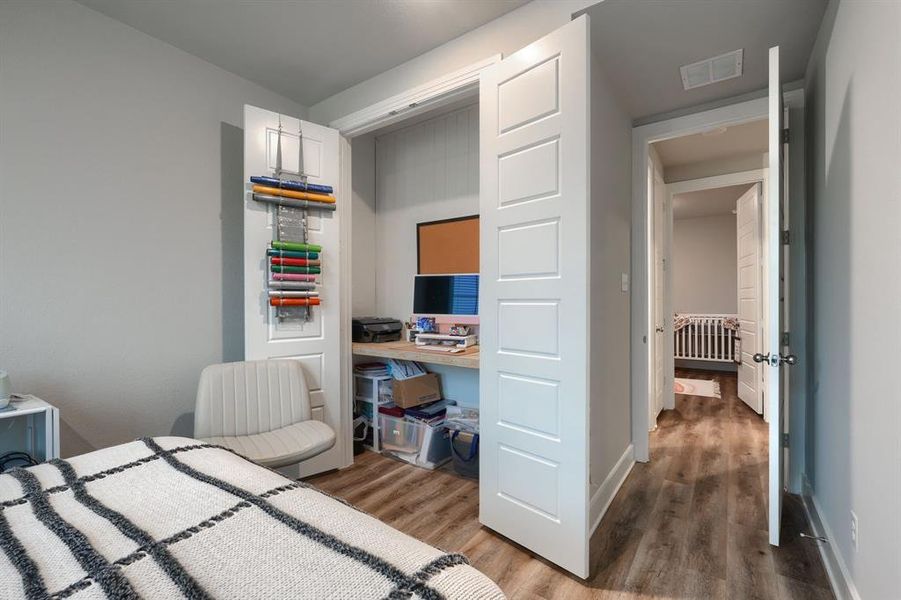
(39, 431)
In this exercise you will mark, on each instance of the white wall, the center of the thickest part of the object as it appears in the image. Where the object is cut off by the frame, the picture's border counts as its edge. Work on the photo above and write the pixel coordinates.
(426, 172)
(611, 218)
(852, 96)
(120, 220)
(503, 35)
(704, 265)
(363, 269)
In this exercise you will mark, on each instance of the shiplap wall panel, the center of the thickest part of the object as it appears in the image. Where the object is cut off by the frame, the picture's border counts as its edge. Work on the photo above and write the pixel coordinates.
(426, 172)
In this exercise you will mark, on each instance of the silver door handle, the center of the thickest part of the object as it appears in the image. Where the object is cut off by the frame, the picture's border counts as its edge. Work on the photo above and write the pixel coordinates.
(776, 361)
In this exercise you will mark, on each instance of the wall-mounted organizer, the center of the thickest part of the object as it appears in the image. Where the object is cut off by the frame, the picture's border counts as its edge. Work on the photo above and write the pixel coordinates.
(293, 264)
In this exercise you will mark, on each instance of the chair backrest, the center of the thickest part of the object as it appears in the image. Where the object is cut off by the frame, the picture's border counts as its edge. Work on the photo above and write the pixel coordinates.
(243, 398)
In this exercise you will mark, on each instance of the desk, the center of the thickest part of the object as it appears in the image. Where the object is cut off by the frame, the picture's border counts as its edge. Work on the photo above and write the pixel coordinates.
(468, 359)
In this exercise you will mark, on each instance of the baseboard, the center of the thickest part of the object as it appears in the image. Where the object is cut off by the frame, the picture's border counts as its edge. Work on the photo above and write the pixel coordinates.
(603, 496)
(839, 577)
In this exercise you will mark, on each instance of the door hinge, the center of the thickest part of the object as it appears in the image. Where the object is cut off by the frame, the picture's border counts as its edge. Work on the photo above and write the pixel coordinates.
(786, 136)
(786, 237)
(784, 339)
(785, 440)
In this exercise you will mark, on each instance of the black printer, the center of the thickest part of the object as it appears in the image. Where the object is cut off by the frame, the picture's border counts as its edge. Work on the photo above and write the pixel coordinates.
(376, 329)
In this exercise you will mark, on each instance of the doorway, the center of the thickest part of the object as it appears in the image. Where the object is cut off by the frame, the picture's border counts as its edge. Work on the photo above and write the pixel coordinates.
(647, 353)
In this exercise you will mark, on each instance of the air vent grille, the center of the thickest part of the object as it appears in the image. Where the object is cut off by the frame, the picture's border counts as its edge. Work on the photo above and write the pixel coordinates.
(712, 70)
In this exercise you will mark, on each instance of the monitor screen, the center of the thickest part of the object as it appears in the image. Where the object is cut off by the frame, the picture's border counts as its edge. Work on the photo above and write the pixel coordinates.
(446, 295)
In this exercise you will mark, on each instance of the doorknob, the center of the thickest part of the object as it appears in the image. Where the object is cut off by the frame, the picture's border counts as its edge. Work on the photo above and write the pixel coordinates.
(776, 360)
(788, 359)
(659, 330)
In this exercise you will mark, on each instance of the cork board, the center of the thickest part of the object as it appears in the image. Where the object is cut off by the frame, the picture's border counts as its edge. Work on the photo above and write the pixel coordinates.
(449, 246)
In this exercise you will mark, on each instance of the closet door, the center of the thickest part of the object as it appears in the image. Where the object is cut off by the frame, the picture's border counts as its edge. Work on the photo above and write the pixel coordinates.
(315, 343)
(748, 254)
(534, 296)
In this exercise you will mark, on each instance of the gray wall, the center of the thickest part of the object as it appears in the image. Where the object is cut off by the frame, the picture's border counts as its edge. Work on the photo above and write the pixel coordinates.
(611, 223)
(853, 97)
(503, 35)
(120, 220)
(705, 273)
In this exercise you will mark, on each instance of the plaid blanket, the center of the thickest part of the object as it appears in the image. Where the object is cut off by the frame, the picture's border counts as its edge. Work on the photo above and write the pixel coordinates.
(174, 518)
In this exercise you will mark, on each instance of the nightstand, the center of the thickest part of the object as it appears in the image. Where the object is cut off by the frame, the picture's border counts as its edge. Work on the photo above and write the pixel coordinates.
(30, 425)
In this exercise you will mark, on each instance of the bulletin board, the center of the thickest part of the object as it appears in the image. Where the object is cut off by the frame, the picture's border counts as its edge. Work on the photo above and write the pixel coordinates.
(448, 246)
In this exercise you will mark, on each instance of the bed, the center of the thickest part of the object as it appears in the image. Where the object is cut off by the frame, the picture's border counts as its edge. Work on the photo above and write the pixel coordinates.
(172, 517)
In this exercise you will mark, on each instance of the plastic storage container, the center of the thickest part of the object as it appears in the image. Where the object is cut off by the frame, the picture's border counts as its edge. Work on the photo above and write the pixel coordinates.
(465, 448)
(416, 443)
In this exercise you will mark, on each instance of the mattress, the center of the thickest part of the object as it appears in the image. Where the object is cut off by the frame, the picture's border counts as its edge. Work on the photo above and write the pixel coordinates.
(172, 517)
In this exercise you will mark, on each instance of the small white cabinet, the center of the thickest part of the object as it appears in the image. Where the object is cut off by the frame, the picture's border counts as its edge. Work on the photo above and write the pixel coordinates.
(30, 425)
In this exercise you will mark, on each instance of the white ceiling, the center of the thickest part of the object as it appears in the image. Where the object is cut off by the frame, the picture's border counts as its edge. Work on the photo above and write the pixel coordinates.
(306, 50)
(642, 43)
(738, 140)
(707, 203)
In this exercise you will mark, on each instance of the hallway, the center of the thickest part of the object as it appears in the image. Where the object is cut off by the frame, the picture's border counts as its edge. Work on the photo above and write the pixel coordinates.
(690, 524)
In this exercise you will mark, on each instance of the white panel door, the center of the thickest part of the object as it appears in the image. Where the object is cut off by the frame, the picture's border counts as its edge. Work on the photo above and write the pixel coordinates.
(316, 343)
(534, 296)
(776, 394)
(748, 253)
(659, 199)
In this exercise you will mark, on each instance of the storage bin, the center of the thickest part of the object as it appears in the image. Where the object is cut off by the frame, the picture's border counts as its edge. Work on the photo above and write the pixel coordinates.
(365, 388)
(465, 449)
(416, 443)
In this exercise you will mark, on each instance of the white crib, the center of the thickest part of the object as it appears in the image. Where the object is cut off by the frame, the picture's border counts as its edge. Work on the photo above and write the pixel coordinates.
(705, 337)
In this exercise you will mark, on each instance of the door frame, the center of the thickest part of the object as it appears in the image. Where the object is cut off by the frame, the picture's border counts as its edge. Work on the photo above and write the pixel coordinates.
(697, 185)
(642, 255)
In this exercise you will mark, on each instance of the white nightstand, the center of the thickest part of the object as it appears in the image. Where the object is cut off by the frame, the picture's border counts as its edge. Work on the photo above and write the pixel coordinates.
(31, 426)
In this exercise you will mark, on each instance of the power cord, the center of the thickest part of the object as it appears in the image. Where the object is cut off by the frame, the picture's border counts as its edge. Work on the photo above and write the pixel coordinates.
(9, 460)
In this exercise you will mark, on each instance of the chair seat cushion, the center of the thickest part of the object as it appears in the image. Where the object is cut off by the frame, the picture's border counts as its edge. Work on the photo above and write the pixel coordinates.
(282, 446)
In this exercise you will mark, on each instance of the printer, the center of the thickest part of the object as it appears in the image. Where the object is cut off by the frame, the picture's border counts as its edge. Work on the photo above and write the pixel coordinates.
(376, 329)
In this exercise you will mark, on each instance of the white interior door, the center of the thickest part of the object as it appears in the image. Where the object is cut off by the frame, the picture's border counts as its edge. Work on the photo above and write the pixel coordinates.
(534, 159)
(658, 196)
(776, 396)
(315, 343)
(748, 208)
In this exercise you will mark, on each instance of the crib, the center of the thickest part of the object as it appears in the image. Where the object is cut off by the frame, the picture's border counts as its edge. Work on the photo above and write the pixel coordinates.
(706, 337)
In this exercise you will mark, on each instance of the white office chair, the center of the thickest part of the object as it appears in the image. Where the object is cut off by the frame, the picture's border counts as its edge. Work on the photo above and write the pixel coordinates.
(260, 409)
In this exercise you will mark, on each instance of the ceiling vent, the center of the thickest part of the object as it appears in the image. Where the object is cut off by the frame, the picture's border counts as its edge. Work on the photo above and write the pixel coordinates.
(712, 70)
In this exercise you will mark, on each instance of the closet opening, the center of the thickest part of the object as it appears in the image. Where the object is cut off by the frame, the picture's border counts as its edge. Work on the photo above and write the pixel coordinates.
(414, 292)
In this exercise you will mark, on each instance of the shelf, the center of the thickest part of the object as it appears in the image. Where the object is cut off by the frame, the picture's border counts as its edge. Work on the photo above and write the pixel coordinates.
(468, 359)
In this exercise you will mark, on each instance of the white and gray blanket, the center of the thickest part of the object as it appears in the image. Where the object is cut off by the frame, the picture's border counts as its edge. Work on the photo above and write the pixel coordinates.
(175, 518)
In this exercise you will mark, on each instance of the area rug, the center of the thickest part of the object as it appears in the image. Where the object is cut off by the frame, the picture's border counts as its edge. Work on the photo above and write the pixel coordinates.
(697, 387)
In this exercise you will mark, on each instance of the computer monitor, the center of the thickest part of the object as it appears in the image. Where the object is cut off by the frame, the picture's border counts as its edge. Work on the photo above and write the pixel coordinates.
(445, 295)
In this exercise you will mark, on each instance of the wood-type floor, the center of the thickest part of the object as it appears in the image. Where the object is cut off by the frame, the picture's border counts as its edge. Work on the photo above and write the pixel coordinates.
(691, 523)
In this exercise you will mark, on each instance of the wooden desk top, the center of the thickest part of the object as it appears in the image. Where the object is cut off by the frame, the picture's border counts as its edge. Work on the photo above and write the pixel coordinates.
(468, 359)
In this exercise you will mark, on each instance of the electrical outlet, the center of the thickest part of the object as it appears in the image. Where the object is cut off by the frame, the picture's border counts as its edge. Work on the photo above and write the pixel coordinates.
(854, 531)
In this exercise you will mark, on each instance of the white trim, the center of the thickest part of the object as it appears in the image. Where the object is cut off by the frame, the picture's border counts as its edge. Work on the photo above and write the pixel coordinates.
(717, 181)
(434, 94)
(345, 177)
(603, 496)
(642, 136)
(839, 577)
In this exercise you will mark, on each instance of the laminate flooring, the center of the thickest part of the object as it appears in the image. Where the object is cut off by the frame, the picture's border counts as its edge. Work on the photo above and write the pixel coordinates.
(691, 523)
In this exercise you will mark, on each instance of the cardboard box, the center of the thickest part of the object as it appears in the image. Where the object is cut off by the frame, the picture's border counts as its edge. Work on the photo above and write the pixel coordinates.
(417, 390)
